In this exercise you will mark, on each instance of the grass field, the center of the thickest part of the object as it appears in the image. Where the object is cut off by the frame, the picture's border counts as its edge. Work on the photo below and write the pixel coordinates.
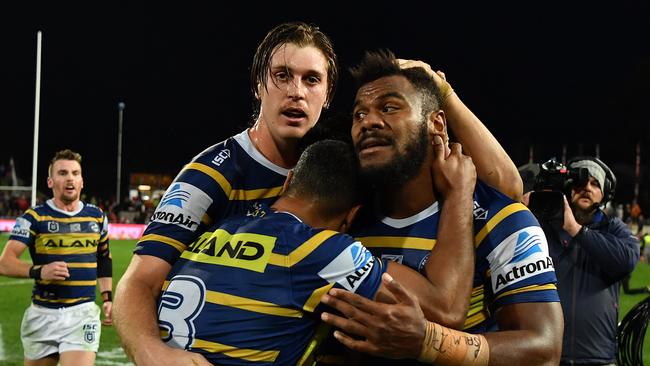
(15, 297)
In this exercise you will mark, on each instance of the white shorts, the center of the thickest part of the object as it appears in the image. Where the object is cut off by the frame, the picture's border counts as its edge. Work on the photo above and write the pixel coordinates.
(46, 331)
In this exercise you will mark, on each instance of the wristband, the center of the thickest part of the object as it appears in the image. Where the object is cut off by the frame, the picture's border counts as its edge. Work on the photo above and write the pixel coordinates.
(445, 89)
(107, 296)
(447, 347)
(35, 272)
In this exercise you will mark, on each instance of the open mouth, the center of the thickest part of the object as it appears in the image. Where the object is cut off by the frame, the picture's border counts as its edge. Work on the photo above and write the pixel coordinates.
(294, 113)
(372, 143)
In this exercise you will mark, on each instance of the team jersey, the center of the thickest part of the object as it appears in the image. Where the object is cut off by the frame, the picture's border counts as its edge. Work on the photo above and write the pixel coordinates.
(512, 258)
(221, 181)
(77, 238)
(248, 291)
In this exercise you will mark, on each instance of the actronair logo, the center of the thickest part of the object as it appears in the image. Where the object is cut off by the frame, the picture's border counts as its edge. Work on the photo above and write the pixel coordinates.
(519, 272)
(21, 228)
(175, 197)
(350, 267)
(523, 255)
(359, 274)
(360, 256)
(527, 245)
(182, 205)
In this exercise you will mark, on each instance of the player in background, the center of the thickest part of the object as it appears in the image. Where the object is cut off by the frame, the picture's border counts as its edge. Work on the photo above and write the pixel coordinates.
(68, 243)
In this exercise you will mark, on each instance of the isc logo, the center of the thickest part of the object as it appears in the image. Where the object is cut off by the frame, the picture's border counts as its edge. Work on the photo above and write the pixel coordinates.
(221, 157)
(242, 250)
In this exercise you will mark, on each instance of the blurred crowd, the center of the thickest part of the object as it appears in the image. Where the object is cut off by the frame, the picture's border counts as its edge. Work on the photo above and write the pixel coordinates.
(629, 213)
(129, 211)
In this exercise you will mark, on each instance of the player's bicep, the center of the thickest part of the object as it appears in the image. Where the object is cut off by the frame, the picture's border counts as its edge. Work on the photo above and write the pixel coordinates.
(148, 271)
(534, 316)
(412, 281)
(423, 290)
(10, 257)
(14, 249)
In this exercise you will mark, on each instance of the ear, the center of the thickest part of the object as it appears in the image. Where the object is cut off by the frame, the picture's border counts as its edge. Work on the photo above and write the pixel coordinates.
(327, 102)
(437, 125)
(285, 186)
(349, 218)
(258, 92)
(50, 182)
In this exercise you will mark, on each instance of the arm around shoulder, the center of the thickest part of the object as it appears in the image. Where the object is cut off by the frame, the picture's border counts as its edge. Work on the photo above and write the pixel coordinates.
(493, 165)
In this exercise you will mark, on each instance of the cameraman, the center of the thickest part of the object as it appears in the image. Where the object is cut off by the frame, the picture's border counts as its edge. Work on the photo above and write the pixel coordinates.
(592, 254)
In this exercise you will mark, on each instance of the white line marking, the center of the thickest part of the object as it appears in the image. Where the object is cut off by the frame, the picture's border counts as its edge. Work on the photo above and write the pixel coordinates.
(112, 363)
(2, 346)
(16, 282)
(115, 357)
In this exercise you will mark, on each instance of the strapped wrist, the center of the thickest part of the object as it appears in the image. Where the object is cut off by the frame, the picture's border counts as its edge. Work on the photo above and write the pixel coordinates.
(438, 347)
(107, 296)
(35, 271)
(445, 89)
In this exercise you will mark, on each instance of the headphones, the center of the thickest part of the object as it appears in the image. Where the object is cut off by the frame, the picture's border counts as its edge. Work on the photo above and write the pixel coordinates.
(609, 185)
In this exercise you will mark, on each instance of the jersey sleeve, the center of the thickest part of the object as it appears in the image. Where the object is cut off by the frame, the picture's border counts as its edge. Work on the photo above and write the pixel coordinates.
(340, 262)
(520, 266)
(103, 249)
(512, 255)
(197, 197)
(25, 228)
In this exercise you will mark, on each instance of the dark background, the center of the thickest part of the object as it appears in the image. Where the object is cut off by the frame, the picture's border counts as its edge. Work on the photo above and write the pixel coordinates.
(539, 74)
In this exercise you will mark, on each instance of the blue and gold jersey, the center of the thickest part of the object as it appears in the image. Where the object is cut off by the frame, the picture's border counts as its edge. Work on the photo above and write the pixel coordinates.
(76, 238)
(512, 258)
(248, 291)
(223, 180)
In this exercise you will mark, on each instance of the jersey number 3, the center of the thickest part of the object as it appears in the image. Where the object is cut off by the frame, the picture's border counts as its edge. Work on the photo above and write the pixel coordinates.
(180, 304)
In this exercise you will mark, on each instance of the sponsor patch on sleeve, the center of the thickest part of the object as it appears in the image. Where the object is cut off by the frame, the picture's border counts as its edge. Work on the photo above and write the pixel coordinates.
(350, 267)
(104, 229)
(21, 228)
(182, 205)
(521, 256)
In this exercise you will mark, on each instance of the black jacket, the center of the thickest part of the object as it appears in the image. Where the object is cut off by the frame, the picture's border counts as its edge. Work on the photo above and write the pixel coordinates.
(589, 268)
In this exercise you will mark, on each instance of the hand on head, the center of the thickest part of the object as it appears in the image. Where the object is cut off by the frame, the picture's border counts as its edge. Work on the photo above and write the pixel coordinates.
(438, 76)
